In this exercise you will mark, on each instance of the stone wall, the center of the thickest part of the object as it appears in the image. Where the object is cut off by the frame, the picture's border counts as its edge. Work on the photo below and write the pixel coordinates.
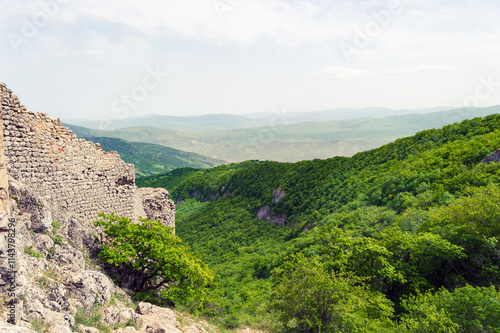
(75, 176)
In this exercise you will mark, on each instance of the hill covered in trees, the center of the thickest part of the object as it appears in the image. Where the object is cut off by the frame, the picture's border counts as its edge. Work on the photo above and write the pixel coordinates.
(150, 159)
(402, 238)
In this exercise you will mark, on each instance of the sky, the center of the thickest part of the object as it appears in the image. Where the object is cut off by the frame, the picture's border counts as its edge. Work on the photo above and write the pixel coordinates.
(100, 59)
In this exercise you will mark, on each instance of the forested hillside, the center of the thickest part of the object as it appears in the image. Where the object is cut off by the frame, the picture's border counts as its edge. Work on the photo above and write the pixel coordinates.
(150, 159)
(403, 238)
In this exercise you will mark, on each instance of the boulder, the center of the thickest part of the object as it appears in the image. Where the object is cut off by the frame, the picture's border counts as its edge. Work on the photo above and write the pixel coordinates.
(29, 203)
(195, 328)
(157, 319)
(113, 316)
(128, 329)
(60, 329)
(85, 329)
(6, 327)
(43, 243)
(158, 327)
(90, 288)
(57, 295)
(68, 258)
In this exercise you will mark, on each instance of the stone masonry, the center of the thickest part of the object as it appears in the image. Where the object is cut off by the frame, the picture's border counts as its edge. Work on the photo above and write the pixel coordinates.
(75, 176)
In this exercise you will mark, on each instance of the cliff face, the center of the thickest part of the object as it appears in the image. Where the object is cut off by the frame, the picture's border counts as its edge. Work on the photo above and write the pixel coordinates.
(74, 176)
(52, 185)
(4, 183)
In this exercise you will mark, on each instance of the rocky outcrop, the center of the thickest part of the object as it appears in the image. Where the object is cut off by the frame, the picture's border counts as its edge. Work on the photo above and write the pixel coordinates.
(278, 194)
(267, 214)
(495, 157)
(4, 183)
(52, 185)
(157, 205)
(6, 327)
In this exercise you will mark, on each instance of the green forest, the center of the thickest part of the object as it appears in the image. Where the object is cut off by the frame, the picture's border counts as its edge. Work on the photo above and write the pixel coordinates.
(402, 238)
(150, 159)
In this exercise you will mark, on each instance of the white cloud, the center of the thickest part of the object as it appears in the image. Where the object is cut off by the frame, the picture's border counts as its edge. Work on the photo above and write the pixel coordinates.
(128, 50)
(422, 69)
(264, 48)
(93, 53)
(340, 72)
(72, 84)
(287, 23)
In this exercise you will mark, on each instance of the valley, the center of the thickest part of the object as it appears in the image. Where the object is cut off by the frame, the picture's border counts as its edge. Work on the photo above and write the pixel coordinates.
(150, 159)
(231, 166)
(396, 221)
(285, 142)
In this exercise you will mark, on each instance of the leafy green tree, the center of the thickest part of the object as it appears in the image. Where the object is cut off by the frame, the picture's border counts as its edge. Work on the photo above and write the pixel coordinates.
(308, 298)
(473, 223)
(479, 213)
(423, 259)
(466, 309)
(155, 257)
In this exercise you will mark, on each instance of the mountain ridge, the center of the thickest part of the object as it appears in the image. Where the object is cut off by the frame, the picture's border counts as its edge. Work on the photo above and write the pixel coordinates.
(293, 142)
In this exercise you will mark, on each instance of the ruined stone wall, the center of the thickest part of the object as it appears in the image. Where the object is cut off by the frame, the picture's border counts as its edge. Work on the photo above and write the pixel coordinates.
(75, 176)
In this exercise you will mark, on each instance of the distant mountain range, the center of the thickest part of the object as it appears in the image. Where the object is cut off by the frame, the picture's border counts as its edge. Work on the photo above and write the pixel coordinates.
(281, 141)
(342, 114)
(216, 122)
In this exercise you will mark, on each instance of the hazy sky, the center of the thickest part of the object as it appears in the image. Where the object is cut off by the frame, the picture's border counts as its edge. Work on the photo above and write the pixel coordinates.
(111, 59)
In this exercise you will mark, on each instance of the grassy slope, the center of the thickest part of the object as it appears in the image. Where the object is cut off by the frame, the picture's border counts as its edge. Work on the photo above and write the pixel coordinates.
(292, 142)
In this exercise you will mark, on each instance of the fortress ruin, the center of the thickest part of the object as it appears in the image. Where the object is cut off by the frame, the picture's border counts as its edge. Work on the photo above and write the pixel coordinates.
(75, 177)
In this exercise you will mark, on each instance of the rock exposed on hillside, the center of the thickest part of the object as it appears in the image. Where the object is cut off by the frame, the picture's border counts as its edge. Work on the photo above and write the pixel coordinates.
(266, 213)
(157, 205)
(495, 157)
(36, 207)
(278, 194)
(6, 327)
(90, 288)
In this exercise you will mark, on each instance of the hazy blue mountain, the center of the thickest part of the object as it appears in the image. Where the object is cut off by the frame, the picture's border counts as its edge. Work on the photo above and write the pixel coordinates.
(192, 124)
(216, 122)
(291, 142)
(342, 114)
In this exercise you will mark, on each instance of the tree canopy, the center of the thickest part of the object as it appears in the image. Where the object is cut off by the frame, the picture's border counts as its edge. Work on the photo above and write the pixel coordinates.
(156, 257)
(414, 224)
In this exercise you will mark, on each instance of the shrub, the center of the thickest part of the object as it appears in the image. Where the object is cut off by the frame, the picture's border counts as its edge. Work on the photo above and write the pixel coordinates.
(58, 239)
(56, 225)
(29, 250)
